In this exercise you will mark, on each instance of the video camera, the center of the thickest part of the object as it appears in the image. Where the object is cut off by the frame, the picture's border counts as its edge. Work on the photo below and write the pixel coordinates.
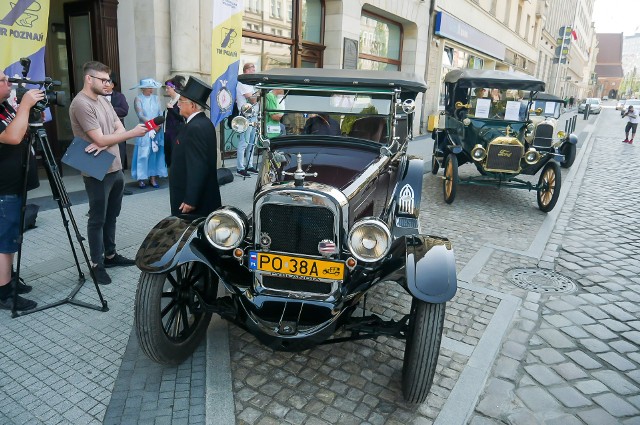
(51, 97)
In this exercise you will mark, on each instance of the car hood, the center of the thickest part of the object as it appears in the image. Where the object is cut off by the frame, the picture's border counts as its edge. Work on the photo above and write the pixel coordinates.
(337, 161)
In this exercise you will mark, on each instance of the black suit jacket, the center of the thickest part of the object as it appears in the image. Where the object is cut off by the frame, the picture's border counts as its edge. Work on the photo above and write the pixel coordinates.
(120, 105)
(193, 177)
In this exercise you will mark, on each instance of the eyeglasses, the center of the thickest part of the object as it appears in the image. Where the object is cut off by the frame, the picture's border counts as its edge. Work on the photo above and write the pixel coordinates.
(5, 79)
(104, 80)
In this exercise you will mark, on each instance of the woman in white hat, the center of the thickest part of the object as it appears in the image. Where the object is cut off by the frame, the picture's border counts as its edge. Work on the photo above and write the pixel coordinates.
(148, 155)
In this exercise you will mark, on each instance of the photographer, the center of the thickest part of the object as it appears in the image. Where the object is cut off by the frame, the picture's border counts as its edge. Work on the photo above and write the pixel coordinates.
(632, 124)
(13, 153)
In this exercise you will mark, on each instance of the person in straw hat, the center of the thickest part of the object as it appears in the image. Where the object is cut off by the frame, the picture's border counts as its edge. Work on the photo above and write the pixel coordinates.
(193, 183)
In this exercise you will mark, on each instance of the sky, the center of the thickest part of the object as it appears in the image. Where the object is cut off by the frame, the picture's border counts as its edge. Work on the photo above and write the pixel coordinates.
(615, 16)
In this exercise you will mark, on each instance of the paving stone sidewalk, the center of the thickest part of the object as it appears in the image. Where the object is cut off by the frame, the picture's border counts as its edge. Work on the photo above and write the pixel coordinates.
(60, 365)
(573, 358)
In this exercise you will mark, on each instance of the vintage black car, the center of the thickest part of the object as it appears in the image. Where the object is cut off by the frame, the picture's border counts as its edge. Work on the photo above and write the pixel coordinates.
(335, 212)
(487, 122)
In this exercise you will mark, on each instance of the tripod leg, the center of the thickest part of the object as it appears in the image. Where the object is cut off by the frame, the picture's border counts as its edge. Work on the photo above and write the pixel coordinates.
(64, 205)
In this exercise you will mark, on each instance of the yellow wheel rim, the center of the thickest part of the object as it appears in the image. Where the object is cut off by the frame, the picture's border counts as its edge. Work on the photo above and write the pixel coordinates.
(448, 184)
(548, 179)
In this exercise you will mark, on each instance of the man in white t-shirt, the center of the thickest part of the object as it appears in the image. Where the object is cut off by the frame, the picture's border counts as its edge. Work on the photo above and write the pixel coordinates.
(631, 125)
(246, 143)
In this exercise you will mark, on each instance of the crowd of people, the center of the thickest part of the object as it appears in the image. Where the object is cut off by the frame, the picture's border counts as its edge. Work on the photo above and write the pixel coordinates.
(186, 144)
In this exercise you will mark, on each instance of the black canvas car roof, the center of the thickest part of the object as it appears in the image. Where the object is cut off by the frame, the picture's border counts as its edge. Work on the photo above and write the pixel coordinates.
(467, 78)
(338, 77)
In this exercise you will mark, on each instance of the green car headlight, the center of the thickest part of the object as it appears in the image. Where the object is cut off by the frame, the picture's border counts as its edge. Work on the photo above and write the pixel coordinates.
(225, 228)
(369, 240)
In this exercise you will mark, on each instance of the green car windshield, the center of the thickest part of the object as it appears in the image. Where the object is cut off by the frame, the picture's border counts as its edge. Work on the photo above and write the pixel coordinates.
(497, 104)
(359, 114)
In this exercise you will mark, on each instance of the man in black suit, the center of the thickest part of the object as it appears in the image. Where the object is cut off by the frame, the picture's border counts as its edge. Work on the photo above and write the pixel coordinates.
(193, 177)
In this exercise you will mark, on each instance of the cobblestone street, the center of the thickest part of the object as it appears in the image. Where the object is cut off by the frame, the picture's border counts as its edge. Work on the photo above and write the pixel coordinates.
(509, 355)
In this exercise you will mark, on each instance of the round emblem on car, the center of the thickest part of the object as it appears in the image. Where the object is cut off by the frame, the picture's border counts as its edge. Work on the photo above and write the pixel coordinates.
(265, 241)
(327, 248)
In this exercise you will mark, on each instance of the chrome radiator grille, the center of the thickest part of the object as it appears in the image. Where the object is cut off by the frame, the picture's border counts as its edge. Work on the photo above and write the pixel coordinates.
(296, 229)
(544, 136)
(504, 157)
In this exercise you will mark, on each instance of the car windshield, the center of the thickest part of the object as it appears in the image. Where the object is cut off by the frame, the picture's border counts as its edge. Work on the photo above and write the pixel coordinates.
(593, 101)
(497, 104)
(364, 115)
(634, 102)
(546, 108)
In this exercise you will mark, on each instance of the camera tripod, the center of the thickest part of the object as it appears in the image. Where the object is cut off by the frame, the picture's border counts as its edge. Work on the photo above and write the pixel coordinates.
(38, 136)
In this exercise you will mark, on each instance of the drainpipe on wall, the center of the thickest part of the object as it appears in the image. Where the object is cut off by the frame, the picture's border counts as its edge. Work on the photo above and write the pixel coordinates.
(424, 118)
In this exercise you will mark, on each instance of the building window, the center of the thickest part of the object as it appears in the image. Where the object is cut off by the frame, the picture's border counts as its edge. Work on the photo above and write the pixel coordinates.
(380, 43)
(526, 29)
(299, 33)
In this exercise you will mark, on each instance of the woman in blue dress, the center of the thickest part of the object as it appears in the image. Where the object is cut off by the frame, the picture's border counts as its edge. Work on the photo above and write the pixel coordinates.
(148, 154)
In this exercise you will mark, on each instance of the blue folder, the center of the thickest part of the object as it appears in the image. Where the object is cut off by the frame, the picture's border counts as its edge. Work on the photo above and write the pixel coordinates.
(93, 165)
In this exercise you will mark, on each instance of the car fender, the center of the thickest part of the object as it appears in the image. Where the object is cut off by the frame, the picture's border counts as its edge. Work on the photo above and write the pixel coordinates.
(573, 139)
(430, 268)
(167, 245)
(408, 192)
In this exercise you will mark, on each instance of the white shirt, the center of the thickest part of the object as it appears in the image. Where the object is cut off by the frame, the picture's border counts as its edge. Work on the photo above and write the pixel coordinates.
(193, 115)
(241, 90)
(633, 117)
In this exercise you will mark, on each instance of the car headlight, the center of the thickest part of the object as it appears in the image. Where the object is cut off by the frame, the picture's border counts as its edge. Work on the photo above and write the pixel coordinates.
(239, 124)
(478, 153)
(225, 228)
(561, 134)
(369, 240)
(532, 156)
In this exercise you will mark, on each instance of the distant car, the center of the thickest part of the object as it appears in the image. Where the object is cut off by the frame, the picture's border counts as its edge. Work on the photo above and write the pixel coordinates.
(594, 105)
(605, 97)
(630, 102)
(620, 105)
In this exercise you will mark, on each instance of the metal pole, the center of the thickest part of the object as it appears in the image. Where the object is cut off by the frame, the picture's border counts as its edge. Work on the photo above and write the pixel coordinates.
(555, 82)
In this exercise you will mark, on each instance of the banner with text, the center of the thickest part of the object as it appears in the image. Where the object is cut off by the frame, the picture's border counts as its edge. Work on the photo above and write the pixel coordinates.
(23, 34)
(226, 43)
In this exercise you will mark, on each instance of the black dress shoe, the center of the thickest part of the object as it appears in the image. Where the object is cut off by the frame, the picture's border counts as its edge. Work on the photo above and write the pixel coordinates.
(127, 192)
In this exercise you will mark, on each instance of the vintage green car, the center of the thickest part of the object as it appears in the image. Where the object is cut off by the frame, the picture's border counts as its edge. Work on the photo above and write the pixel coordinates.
(488, 122)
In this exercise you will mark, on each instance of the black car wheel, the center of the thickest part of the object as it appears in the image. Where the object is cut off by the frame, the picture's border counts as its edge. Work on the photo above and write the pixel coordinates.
(435, 166)
(450, 183)
(549, 186)
(569, 152)
(170, 319)
(422, 348)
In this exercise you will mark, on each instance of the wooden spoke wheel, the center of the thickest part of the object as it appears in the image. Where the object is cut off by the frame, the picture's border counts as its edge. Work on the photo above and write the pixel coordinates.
(549, 186)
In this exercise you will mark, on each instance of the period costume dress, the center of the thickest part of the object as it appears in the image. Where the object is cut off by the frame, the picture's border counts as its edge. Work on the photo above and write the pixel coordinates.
(148, 160)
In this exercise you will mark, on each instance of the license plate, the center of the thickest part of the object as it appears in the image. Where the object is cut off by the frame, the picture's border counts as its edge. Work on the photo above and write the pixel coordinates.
(296, 267)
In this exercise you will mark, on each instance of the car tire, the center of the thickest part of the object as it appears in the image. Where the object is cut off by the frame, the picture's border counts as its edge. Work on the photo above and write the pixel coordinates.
(450, 182)
(435, 166)
(165, 302)
(424, 336)
(569, 152)
(549, 185)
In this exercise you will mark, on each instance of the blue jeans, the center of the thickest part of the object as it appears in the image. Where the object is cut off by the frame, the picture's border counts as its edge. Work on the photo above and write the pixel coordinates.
(246, 143)
(9, 223)
(105, 201)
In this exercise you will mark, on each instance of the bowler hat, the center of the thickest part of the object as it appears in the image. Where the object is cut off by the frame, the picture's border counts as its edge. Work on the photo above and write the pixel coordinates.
(197, 91)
